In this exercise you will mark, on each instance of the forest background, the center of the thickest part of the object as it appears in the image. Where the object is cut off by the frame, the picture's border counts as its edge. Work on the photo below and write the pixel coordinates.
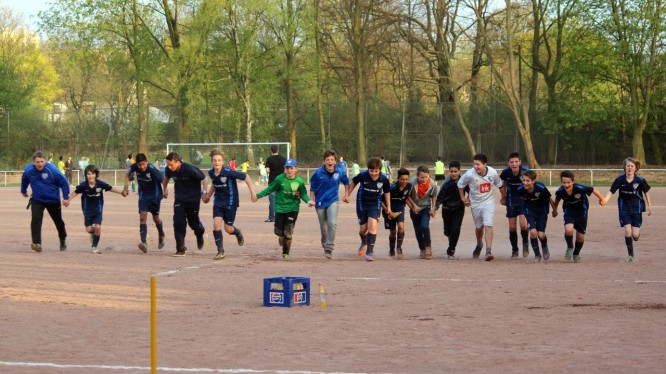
(562, 81)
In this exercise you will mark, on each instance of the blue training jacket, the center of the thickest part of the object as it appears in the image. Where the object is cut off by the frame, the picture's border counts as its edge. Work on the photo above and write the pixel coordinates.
(325, 185)
(45, 184)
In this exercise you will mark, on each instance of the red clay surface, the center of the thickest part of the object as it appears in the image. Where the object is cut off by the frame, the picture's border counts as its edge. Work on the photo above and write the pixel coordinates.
(76, 312)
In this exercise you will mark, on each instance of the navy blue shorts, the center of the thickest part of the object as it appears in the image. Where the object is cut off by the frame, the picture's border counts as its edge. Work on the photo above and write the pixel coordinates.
(513, 211)
(633, 219)
(152, 206)
(364, 214)
(92, 219)
(391, 224)
(537, 222)
(228, 214)
(579, 221)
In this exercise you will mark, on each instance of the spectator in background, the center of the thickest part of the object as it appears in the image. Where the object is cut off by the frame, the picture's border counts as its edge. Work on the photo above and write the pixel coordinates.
(275, 166)
(69, 167)
(61, 165)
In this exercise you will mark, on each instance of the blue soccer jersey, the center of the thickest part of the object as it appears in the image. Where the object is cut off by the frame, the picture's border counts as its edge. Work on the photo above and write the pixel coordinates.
(512, 183)
(631, 199)
(92, 198)
(399, 197)
(370, 192)
(150, 182)
(577, 203)
(226, 188)
(537, 202)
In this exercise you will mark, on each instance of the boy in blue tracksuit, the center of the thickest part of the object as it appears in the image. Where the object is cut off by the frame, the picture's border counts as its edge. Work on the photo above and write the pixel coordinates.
(537, 202)
(324, 191)
(46, 183)
(92, 202)
(150, 180)
(188, 191)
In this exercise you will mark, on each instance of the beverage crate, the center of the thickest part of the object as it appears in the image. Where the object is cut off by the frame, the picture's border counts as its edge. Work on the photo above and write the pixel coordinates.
(286, 291)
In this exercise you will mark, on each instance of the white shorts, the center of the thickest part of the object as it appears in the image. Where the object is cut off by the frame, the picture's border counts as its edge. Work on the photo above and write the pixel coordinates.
(483, 215)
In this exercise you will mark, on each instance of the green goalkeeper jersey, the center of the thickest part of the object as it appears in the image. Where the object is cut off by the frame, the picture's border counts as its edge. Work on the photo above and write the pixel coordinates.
(288, 193)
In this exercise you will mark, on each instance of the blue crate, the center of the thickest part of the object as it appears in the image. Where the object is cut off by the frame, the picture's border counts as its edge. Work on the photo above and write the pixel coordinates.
(286, 291)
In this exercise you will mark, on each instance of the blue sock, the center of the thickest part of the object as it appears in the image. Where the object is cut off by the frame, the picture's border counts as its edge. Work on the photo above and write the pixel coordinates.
(217, 234)
(371, 243)
(535, 246)
(569, 240)
(160, 229)
(95, 240)
(236, 231)
(143, 232)
(630, 245)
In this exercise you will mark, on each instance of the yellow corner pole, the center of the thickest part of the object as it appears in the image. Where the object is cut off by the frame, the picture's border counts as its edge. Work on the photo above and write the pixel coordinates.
(153, 324)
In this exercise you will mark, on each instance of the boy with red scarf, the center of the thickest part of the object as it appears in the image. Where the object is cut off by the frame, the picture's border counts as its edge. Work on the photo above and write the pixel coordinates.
(421, 201)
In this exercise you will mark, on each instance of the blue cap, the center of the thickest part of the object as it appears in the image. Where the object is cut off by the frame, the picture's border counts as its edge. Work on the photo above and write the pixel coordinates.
(291, 163)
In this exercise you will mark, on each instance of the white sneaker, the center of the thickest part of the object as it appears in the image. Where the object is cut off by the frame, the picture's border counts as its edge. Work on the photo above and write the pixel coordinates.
(94, 250)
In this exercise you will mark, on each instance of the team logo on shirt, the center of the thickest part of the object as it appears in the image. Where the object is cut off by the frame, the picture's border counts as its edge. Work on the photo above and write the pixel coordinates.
(635, 186)
(223, 180)
(45, 175)
(336, 176)
(379, 185)
(294, 186)
(98, 189)
(577, 196)
(537, 194)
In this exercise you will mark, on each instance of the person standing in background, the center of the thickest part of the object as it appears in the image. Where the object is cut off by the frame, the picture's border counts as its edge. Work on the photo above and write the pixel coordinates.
(69, 167)
(439, 171)
(275, 166)
(61, 165)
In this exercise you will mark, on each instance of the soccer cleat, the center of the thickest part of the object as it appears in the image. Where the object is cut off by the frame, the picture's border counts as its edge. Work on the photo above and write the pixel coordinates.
(36, 247)
(452, 257)
(489, 256)
(400, 256)
(219, 255)
(629, 259)
(576, 258)
(526, 249)
(361, 249)
(428, 253)
(63, 245)
(269, 220)
(240, 239)
(94, 250)
(567, 254)
(422, 254)
(369, 257)
(537, 259)
(477, 251)
(143, 247)
(160, 244)
(179, 254)
(546, 254)
(285, 256)
(328, 254)
(514, 254)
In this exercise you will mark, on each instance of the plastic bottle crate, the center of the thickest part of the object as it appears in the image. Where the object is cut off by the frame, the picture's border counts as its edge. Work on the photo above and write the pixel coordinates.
(286, 291)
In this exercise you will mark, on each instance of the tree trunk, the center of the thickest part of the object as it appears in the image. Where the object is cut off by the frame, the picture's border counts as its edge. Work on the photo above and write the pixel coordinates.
(141, 118)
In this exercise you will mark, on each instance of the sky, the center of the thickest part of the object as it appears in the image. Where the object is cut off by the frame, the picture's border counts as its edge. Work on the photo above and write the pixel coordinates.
(29, 9)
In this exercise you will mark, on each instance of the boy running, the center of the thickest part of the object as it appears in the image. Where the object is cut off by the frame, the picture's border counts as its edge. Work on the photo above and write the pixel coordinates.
(453, 208)
(225, 188)
(188, 192)
(515, 209)
(374, 186)
(324, 186)
(289, 190)
(537, 200)
(575, 206)
(421, 201)
(632, 201)
(481, 198)
(150, 197)
(395, 223)
(92, 202)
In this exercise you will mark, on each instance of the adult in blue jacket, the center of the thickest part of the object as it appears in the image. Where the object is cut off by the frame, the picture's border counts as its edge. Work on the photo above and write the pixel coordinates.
(324, 187)
(46, 183)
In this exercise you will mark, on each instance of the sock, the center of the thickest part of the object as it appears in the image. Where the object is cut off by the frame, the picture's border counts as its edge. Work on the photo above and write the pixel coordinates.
(236, 231)
(160, 229)
(577, 248)
(143, 232)
(535, 246)
(524, 234)
(513, 238)
(401, 237)
(569, 240)
(488, 250)
(630, 245)
(95, 240)
(544, 242)
(217, 234)
(371, 243)
(364, 238)
(392, 241)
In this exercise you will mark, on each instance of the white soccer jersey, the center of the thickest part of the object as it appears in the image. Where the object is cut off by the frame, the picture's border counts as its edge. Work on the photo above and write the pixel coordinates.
(481, 189)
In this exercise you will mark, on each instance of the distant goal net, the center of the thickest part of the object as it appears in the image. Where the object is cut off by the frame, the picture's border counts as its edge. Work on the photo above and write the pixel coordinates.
(198, 153)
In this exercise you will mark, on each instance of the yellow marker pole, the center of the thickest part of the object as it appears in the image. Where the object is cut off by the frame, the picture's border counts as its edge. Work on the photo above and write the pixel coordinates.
(153, 324)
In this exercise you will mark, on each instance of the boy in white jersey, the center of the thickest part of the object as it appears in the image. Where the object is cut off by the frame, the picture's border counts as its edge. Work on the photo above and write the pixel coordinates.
(481, 197)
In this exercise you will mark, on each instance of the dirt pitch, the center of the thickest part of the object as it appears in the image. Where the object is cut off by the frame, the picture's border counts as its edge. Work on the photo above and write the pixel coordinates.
(76, 312)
